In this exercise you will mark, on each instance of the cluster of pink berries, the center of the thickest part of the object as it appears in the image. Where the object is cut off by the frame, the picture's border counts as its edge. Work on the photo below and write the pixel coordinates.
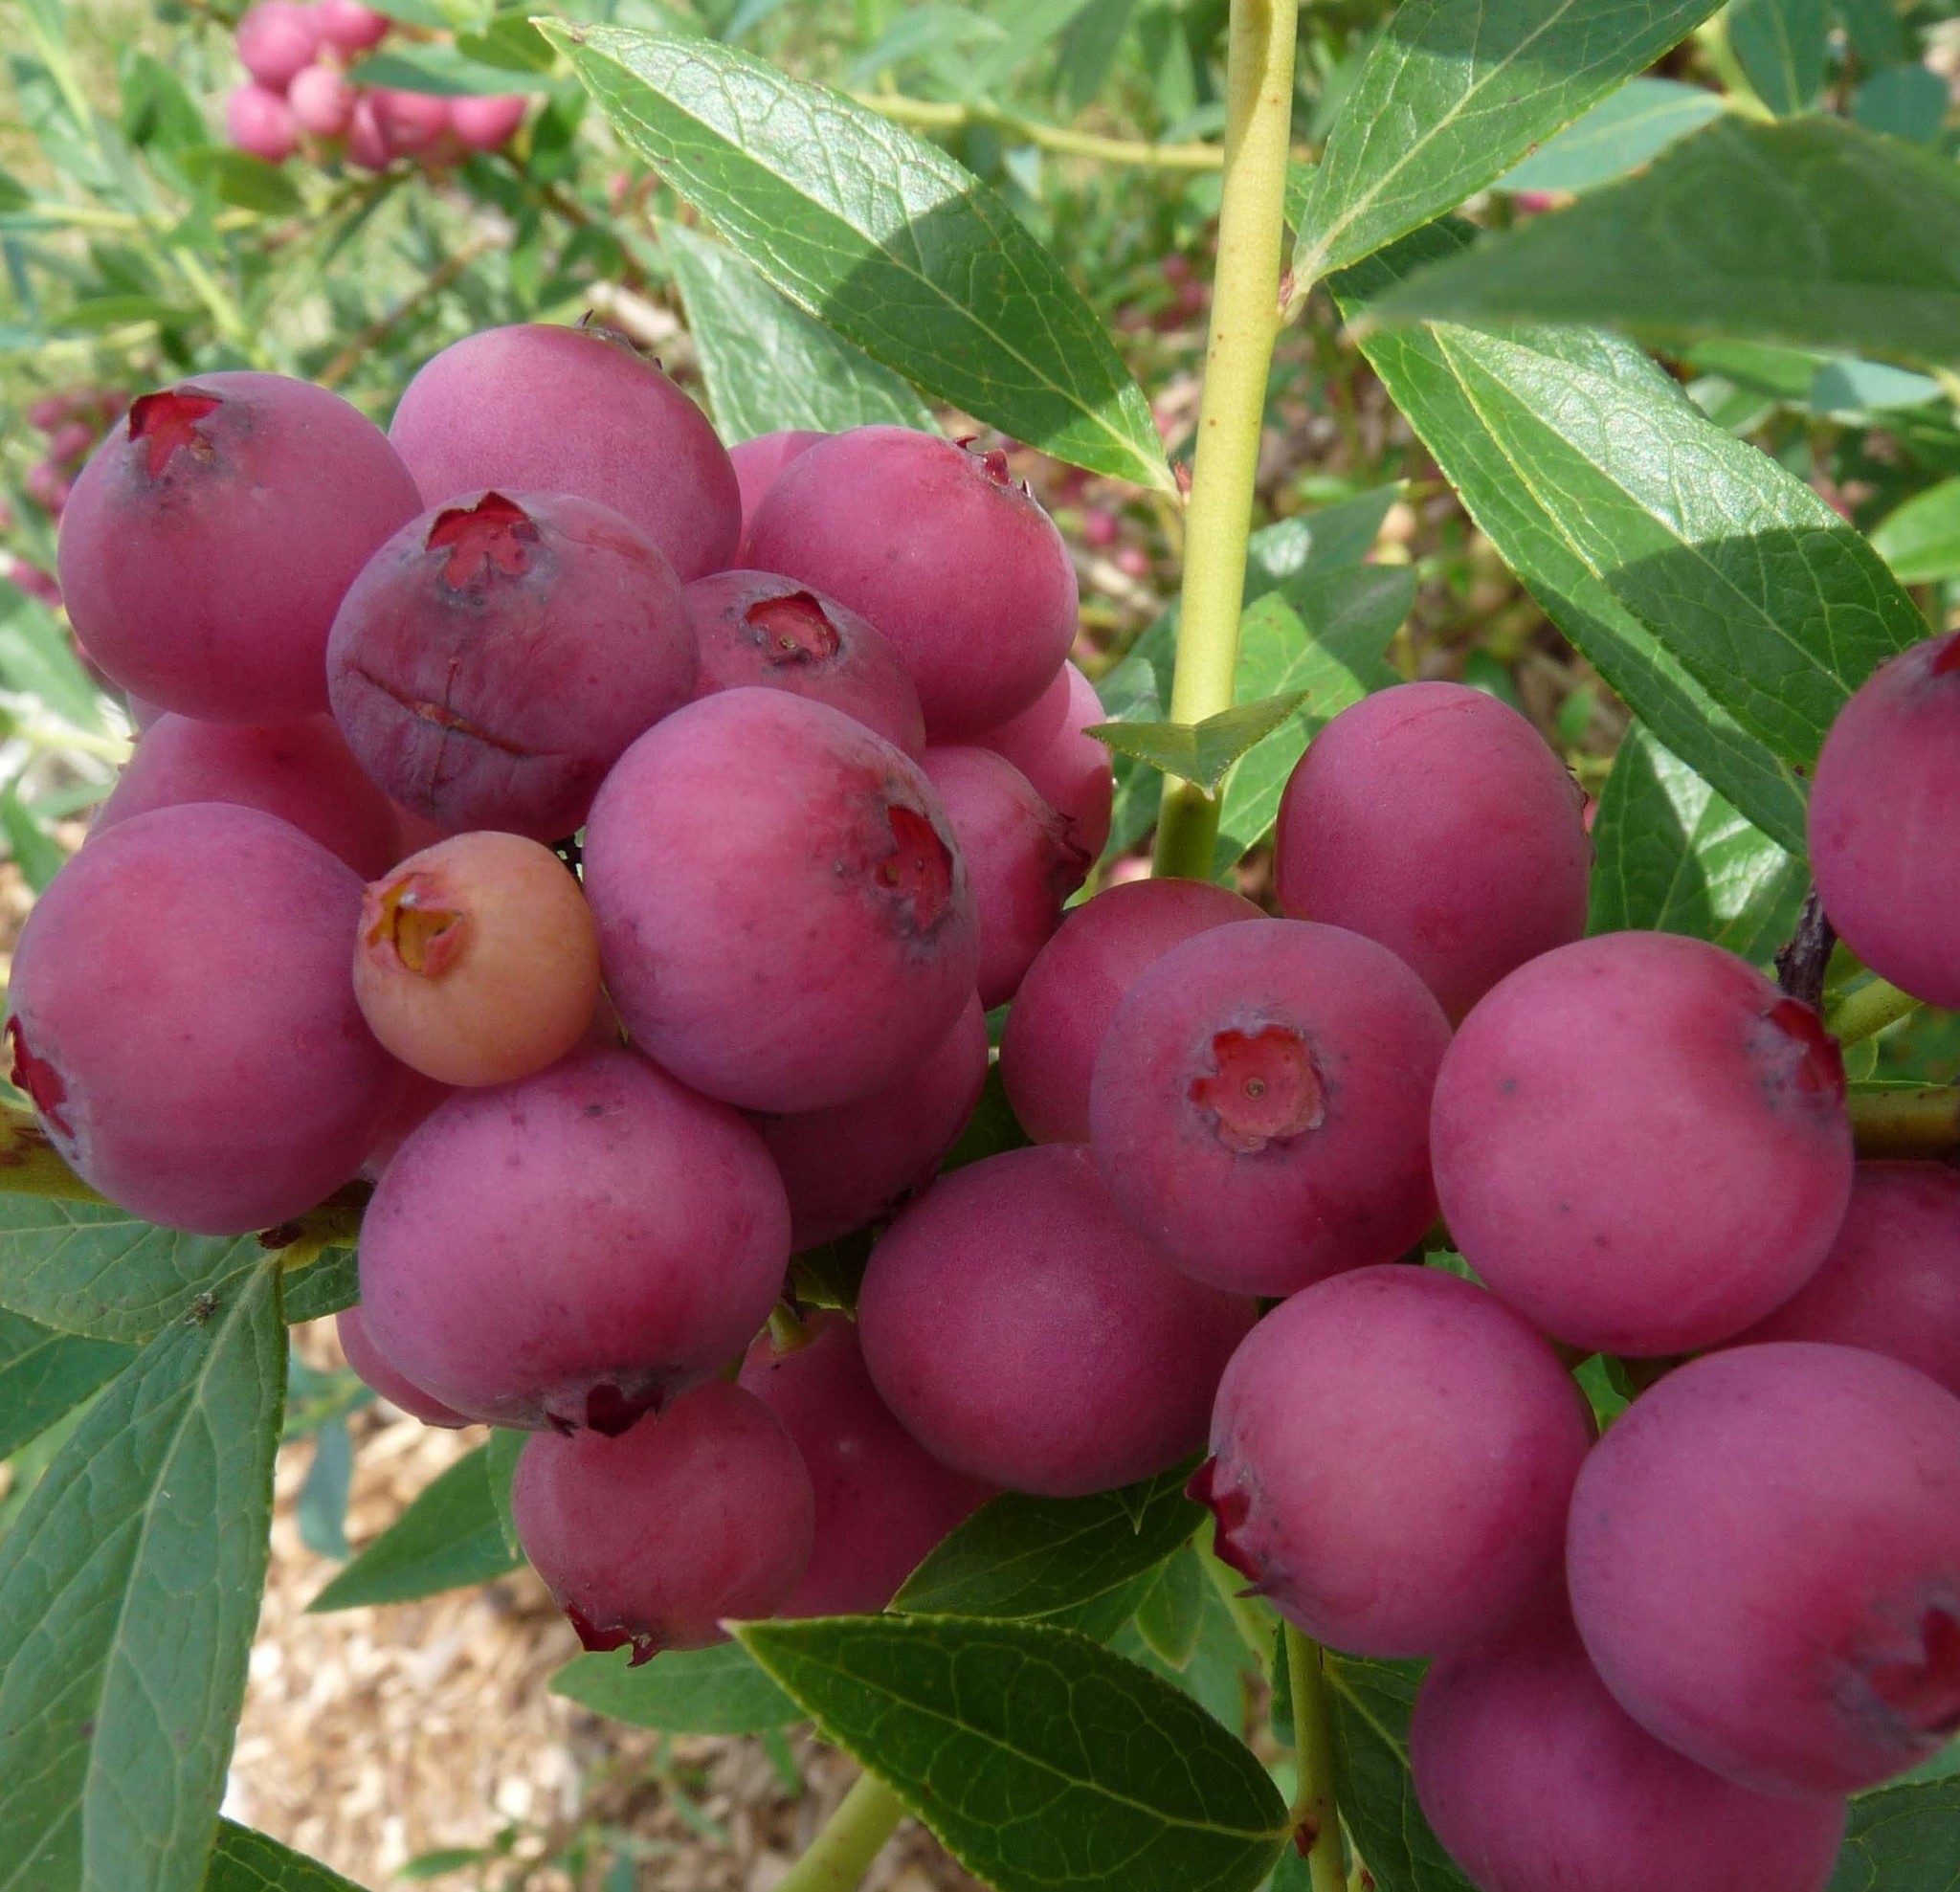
(305, 85)
(71, 423)
(809, 707)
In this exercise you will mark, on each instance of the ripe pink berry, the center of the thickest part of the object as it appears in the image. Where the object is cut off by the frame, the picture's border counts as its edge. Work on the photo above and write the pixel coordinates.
(212, 535)
(757, 463)
(751, 627)
(1393, 1453)
(488, 123)
(260, 122)
(369, 1365)
(1024, 1333)
(1259, 1107)
(322, 98)
(572, 411)
(1021, 856)
(856, 1162)
(784, 917)
(1882, 808)
(276, 38)
(410, 121)
(650, 1538)
(1641, 1144)
(351, 27)
(1071, 993)
(1433, 818)
(1764, 1559)
(1069, 770)
(939, 548)
(882, 1500)
(368, 142)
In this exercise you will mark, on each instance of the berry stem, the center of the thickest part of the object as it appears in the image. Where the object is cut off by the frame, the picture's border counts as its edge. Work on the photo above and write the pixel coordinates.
(839, 1857)
(1316, 1813)
(1866, 1012)
(1907, 1123)
(936, 115)
(1239, 356)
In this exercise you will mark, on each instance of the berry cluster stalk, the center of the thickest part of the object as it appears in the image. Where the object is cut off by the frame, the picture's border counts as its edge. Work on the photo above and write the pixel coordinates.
(1316, 1819)
(854, 1835)
(1245, 322)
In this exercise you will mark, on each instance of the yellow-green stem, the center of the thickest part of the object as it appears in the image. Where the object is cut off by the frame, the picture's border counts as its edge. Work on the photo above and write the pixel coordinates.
(1866, 1012)
(1316, 1813)
(1907, 1123)
(839, 1857)
(1245, 322)
(935, 115)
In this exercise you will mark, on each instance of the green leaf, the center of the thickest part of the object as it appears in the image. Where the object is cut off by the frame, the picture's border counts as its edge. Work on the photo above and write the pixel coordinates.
(682, 1691)
(1675, 556)
(240, 179)
(36, 852)
(320, 1510)
(1903, 1838)
(881, 236)
(1371, 1706)
(44, 1375)
(499, 1468)
(1921, 540)
(1454, 93)
(767, 364)
(1323, 634)
(1781, 46)
(247, 1862)
(1848, 388)
(1200, 752)
(1218, 1669)
(129, 1592)
(87, 1268)
(325, 1286)
(1809, 231)
(1670, 855)
(451, 1535)
(36, 658)
(1626, 129)
(1903, 101)
(1036, 1756)
(992, 1130)
(445, 70)
(1022, 1556)
(1172, 1611)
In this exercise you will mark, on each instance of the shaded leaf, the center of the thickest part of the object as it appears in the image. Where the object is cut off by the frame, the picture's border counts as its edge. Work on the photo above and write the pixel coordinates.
(88, 1268)
(36, 852)
(451, 1535)
(1324, 634)
(992, 1130)
(36, 658)
(1372, 1706)
(1200, 752)
(238, 178)
(1808, 231)
(246, 1861)
(499, 1469)
(1781, 46)
(1216, 1673)
(1670, 855)
(1036, 1756)
(880, 234)
(1849, 386)
(1453, 93)
(1626, 129)
(130, 1592)
(325, 1286)
(1903, 101)
(45, 1374)
(682, 1691)
(766, 362)
(1903, 1838)
(1172, 1611)
(445, 70)
(1023, 1556)
(1921, 540)
(320, 1510)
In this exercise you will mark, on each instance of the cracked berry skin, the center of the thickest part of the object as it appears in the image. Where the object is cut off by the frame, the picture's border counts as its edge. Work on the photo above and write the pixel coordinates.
(1024, 1333)
(1068, 996)
(939, 548)
(1260, 1107)
(572, 1248)
(1393, 1451)
(1641, 1145)
(754, 628)
(849, 1165)
(784, 917)
(302, 772)
(1883, 809)
(1535, 1780)
(1764, 1559)
(1021, 856)
(183, 1019)
(882, 1500)
(1433, 818)
(497, 656)
(649, 1540)
(213, 534)
(574, 410)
